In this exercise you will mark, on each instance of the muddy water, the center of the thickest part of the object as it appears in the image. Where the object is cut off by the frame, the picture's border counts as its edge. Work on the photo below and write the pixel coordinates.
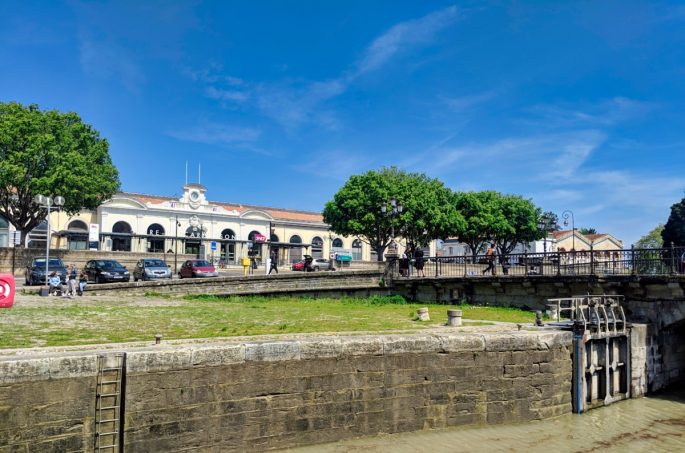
(654, 424)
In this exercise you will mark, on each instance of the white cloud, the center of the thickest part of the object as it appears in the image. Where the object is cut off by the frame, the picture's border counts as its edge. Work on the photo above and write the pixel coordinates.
(217, 134)
(227, 95)
(602, 114)
(403, 35)
(468, 102)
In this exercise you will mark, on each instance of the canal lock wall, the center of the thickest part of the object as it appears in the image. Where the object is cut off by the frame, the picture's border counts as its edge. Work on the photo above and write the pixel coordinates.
(270, 393)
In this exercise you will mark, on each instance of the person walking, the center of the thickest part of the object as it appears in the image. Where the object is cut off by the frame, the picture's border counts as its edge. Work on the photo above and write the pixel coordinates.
(274, 261)
(419, 262)
(490, 256)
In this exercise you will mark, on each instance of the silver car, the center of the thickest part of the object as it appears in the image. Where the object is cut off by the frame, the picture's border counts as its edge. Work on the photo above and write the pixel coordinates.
(321, 264)
(151, 269)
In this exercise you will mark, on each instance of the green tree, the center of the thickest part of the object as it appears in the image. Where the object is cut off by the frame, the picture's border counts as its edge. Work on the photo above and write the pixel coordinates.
(50, 153)
(651, 240)
(551, 221)
(516, 222)
(427, 212)
(674, 230)
(481, 214)
(586, 230)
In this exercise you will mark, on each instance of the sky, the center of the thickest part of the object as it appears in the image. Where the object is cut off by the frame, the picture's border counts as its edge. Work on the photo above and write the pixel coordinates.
(576, 105)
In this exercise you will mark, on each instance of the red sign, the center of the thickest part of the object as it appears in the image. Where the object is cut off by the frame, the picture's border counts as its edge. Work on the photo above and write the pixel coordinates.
(259, 238)
(6, 290)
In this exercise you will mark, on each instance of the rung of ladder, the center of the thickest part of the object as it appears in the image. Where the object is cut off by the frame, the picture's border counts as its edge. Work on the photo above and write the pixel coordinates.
(117, 369)
(109, 382)
(108, 434)
(109, 421)
(105, 395)
(107, 446)
(108, 407)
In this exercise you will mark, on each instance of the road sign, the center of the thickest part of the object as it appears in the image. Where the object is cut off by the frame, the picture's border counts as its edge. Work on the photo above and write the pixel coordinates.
(213, 245)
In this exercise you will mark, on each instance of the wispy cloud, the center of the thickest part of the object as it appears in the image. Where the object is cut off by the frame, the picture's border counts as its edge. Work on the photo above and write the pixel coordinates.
(339, 164)
(292, 103)
(602, 114)
(468, 102)
(217, 134)
(403, 36)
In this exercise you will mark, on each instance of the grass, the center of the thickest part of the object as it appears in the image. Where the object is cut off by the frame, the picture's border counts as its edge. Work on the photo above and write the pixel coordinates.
(88, 321)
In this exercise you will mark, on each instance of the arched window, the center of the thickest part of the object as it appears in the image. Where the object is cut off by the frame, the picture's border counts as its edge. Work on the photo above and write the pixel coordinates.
(317, 247)
(356, 249)
(256, 239)
(155, 244)
(194, 238)
(337, 243)
(121, 237)
(274, 238)
(228, 246)
(77, 235)
(295, 251)
(4, 232)
(38, 234)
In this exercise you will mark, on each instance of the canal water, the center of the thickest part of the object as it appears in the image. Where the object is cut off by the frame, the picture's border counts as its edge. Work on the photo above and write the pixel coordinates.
(654, 424)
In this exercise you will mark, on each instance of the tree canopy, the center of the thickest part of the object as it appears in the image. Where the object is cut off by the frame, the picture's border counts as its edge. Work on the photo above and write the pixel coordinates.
(674, 230)
(586, 230)
(427, 212)
(651, 240)
(517, 222)
(50, 153)
(480, 213)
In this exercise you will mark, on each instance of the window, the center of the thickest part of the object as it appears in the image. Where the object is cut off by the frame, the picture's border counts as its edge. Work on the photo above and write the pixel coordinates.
(4, 232)
(121, 237)
(77, 235)
(356, 249)
(256, 245)
(192, 243)
(295, 251)
(337, 243)
(228, 235)
(38, 234)
(317, 247)
(155, 244)
(274, 238)
(228, 246)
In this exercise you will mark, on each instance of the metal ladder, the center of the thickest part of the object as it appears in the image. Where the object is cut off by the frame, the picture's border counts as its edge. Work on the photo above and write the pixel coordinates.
(109, 403)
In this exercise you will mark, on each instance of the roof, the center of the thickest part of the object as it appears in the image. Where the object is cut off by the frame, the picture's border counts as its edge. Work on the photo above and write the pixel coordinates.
(276, 213)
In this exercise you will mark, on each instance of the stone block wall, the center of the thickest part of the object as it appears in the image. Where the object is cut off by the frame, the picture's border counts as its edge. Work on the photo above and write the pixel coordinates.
(286, 391)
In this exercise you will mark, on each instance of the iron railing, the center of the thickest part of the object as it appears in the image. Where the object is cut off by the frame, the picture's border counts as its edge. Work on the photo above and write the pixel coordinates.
(633, 261)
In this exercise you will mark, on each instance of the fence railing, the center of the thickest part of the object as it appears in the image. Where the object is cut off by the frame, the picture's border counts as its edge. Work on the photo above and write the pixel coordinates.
(633, 261)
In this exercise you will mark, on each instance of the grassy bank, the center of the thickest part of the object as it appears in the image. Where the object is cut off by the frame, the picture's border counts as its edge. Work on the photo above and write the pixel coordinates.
(59, 322)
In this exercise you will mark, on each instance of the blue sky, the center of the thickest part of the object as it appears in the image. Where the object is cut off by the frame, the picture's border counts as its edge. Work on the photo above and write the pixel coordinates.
(577, 105)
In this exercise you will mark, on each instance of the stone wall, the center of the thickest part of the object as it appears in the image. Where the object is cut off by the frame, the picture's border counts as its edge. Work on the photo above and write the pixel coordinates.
(286, 391)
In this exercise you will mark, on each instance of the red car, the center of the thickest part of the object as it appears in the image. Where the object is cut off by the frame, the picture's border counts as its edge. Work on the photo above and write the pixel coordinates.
(197, 268)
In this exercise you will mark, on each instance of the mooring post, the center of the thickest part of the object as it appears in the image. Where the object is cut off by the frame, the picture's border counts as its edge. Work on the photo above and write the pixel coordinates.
(454, 318)
(423, 314)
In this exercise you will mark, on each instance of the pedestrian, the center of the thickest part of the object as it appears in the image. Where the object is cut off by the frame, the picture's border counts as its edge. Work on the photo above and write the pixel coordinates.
(419, 262)
(82, 283)
(274, 261)
(404, 265)
(490, 256)
(71, 281)
(55, 285)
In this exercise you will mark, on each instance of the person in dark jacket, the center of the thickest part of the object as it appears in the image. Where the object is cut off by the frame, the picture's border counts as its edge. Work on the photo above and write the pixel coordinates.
(274, 261)
(419, 262)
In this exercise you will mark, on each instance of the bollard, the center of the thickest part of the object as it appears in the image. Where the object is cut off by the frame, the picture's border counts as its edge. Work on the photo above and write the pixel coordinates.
(538, 318)
(454, 318)
(6, 290)
(423, 314)
(158, 338)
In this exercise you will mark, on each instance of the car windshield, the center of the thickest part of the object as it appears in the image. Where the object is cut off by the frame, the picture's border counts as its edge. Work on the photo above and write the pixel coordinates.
(201, 263)
(53, 263)
(154, 263)
(108, 264)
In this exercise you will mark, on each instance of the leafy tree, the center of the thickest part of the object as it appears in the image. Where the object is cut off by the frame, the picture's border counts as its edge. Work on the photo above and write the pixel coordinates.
(651, 240)
(480, 211)
(585, 230)
(516, 222)
(427, 213)
(551, 221)
(674, 230)
(50, 153)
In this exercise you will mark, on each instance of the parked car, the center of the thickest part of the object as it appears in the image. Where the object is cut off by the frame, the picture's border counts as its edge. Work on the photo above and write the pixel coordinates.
(311, 264)
(35, 271)
(197, 268)
(150, 269)
(104, 271)
(320, 264)
(297, 266)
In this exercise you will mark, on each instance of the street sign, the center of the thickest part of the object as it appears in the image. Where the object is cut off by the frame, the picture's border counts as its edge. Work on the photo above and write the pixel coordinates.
(213, 245)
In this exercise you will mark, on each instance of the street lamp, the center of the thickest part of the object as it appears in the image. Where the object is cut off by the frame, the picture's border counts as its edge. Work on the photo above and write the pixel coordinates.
(395, 209)
(543, 226)
(47, 203)
(565, 215)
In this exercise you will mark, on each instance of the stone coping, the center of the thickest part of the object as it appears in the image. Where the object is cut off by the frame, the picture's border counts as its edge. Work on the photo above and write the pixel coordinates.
(55, 363)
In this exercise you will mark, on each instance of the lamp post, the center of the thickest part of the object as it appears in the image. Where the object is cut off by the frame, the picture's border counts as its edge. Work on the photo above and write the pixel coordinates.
(49, 204)
(565, 215)
(178, 224)
(543, 226)
(392, 211)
